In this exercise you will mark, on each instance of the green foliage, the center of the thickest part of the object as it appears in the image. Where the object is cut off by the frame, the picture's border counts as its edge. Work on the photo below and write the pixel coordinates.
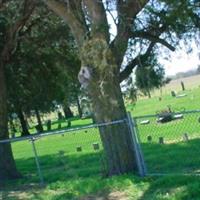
(149, 75)
(44, 65)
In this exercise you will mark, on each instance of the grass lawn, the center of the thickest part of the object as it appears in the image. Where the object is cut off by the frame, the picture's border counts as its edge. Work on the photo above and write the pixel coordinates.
(147, 106)
(78, 175)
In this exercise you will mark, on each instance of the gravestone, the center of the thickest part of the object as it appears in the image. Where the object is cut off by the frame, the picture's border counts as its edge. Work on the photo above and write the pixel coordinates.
(59, 126)
(79, 149)
(49, 125)
(149, 138)
(68, 124)
(161, 140)
(173, 93)
(182, 85)
(185, 137)
(96, 146)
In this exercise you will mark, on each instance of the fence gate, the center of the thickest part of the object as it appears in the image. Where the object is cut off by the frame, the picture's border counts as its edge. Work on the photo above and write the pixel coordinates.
(170, 144)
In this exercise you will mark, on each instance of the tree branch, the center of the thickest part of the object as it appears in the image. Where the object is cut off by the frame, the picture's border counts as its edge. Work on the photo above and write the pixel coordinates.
(136, 61)
(127, 11)
(12, 33)
(97, 14)
(153, 38)
(75, 22)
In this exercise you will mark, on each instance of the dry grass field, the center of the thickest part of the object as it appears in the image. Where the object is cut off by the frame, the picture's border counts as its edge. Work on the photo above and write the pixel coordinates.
(191, 82)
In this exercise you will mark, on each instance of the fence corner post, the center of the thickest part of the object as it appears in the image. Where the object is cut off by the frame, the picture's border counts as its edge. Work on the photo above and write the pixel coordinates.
(137, 149)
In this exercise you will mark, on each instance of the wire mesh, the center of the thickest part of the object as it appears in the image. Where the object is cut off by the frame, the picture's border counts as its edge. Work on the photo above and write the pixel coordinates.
(170, 142)
(71, 154)
(56, 156)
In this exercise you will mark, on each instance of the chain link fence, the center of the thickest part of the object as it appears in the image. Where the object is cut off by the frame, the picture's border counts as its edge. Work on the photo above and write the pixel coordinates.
(60, 155)
(164, 144)
(170, 142)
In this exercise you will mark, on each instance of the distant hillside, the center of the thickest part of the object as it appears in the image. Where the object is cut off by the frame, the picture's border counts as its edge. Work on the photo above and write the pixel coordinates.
(189, 82)
(185, 74)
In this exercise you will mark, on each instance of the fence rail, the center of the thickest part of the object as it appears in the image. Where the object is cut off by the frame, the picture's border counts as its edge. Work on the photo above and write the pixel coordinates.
(161, 147)
(61, 154)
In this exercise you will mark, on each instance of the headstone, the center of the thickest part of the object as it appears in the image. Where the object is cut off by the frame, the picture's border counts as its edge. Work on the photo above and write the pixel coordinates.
(173, 93)
(96, 146)
(182, 85)
(59, 126)
(13, 134)
(149, 138)
(61, 152)
(185, 137)
(161, 140)
(178, 116)
(79, 149)
(181, 95)
(145, 122)
(49, 125)
(68, 123)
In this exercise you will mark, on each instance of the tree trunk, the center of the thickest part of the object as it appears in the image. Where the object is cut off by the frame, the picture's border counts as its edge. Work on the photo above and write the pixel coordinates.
(79, 107)
(149, 94)
(39, 121)
(104, 89)
(67, 111)
(7, 164)
(23, 122)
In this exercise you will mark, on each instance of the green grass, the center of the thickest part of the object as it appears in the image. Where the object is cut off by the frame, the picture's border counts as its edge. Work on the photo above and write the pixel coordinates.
(152, 106)
(75, 175)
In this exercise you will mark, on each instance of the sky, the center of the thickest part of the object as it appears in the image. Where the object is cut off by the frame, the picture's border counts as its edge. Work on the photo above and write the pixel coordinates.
(180, 61)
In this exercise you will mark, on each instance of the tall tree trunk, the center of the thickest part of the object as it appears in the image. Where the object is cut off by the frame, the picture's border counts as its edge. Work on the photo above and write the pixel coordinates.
(79, 107)
(102, 82)
(8, 168)
(149, 94)
(67, 111)
(23, 122)
(39, 121)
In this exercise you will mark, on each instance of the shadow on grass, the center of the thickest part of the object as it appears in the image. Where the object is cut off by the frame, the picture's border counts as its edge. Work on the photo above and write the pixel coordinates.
(78, 176)
(59, 167)
(175, 158)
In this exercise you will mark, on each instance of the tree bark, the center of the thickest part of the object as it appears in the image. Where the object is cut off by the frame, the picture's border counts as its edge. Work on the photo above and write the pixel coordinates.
(8, 168)
(79, 107)
(23, 122)
(149, 93)
(104, 90)
(67, 111)
(39, 121)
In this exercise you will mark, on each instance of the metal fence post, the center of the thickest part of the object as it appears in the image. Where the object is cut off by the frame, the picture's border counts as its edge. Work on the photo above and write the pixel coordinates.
(37, 161)
(137, 148)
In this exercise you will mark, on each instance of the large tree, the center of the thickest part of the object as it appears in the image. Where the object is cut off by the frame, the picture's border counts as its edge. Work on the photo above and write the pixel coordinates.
(14, 16)
(139, 23)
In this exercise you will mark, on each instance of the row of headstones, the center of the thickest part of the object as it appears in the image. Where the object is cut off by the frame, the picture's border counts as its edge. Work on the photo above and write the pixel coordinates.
(94, 145)
(161, 139)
